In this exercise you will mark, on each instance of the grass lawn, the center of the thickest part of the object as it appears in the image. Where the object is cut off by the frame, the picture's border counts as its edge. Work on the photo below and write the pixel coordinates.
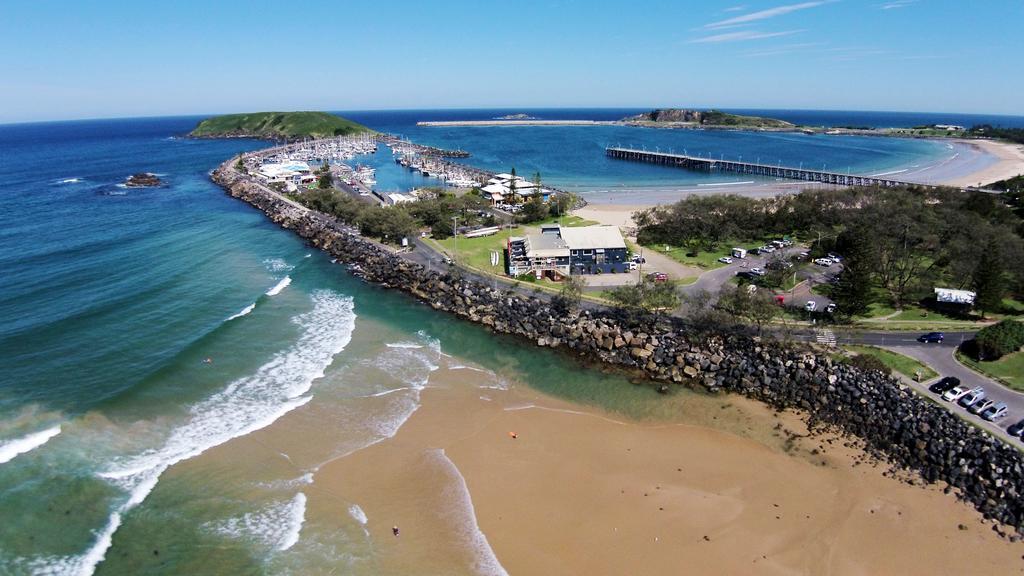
(1009, 369)
(897, 362)
(569, 221)
(476, 252)
(707, 260)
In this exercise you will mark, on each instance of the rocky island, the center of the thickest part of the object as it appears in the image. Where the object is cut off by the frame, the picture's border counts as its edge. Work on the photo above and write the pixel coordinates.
(143, 180)
(287, 126)
(682, 118)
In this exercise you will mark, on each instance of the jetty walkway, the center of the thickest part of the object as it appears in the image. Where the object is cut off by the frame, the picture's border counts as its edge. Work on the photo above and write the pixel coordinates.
(757, 169)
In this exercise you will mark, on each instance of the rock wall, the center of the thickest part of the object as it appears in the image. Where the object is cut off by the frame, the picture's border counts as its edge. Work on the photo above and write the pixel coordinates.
(890, 418)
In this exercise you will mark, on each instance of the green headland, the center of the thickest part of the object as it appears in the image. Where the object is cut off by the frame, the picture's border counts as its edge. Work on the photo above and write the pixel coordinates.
(278, 126)
(708, 118)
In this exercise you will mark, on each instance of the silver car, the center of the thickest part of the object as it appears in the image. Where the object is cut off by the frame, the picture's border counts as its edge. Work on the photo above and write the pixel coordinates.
(972, 397)
(981, 405)
(993, 413)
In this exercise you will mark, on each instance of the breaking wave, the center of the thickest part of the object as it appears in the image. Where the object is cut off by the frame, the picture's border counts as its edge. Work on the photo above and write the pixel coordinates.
(11, 449)
(244, 406)
(280, 286)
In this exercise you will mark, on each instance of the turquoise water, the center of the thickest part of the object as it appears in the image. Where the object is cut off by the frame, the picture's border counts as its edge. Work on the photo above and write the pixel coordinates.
(144, 327)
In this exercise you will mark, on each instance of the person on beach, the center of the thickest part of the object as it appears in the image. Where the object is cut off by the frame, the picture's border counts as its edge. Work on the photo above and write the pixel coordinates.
(394, 530)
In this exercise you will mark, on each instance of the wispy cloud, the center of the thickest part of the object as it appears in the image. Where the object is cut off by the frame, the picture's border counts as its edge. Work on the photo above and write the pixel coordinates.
(739, 8)
(768, 13)
(782, 50)
(741, 36)
(896, 4)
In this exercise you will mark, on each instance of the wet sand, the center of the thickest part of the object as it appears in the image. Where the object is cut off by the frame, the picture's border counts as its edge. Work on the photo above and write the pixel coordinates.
(731, 488)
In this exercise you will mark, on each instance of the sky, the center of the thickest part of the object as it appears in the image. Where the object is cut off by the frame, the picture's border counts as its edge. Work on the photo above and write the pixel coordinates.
(97, 59)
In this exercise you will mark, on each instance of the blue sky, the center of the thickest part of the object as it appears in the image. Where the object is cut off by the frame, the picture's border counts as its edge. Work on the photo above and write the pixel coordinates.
(107, 59)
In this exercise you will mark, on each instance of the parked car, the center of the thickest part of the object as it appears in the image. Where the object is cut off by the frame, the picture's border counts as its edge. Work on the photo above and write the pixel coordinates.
(778, 265)
(804, 255)
(638, 259)
(633, 266)
(932, 338)
(831, 308)
(955, 394)
(945, 385)
(981, 405)
(811, 306)
(975, 395)
(835, 257)
(823, 261)
(758, 271)
(766, 249)
(725, 260)
(747, 274)
(993, 413)
(658, 276)
(1016, 429)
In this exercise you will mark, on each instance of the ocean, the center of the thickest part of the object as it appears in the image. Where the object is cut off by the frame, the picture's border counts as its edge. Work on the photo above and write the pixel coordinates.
(144, 330)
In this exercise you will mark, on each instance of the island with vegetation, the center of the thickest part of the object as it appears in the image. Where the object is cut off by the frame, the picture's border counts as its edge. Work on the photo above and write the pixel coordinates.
(677, 117)
(288, 126)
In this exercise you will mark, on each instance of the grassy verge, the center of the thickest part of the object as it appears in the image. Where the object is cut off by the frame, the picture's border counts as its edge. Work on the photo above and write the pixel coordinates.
(905, 365)
(1009, 369)
(569, 221)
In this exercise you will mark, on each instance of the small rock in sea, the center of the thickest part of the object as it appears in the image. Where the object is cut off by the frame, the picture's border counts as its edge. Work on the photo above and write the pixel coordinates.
(143, 180)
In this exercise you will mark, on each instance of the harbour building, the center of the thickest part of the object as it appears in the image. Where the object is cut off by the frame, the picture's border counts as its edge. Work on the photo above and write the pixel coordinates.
(559, 251)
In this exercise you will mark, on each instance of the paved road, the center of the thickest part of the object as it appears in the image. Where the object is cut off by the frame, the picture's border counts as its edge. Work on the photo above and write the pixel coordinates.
(941, 359)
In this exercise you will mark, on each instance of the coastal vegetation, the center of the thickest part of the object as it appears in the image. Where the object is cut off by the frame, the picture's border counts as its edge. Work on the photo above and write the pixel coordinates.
(998, 132)
(898, 243)
(708, 118)
(392, 223)
(277, 126)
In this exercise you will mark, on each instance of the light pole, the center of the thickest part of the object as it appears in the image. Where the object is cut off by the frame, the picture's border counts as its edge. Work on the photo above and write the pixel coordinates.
(455, 237)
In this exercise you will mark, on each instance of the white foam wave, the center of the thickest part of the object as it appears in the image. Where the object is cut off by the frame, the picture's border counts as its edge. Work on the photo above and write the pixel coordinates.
(289, 484)
(308, 256)
(242, 312)
(244, 406)
(13, 448)
(280, 286)
(485, 561)
(726, 183)
(277, 526)
(277, 265)
(69, 181)
(357, 514)
(412, 345)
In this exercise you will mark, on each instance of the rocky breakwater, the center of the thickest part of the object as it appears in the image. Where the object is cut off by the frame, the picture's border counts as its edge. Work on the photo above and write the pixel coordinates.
(892, 421)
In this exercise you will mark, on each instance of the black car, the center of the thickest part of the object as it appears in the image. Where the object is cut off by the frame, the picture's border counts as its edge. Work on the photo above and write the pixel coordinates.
(932, 338)
(945, 385)
(1016, 429)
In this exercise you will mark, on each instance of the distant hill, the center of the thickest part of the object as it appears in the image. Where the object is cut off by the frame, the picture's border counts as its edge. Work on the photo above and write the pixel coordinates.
(706, 118)
(277, 125)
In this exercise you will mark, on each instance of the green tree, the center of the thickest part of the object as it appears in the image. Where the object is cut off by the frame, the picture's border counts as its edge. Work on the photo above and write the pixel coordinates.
(852, 292)
(325, 180)
(534, 210)
(645, 296)
(570, 294)
(989, 280)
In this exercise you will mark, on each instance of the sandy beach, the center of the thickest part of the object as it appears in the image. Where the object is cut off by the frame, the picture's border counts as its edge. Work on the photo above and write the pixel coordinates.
(729, 488)
(1008, 161)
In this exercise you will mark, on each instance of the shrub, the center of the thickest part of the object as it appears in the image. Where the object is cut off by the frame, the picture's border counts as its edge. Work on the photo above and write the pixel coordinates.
(869, 362)
(993, 342)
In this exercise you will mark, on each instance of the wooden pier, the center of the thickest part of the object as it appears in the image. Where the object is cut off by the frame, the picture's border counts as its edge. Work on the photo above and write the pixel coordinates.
(753, 168)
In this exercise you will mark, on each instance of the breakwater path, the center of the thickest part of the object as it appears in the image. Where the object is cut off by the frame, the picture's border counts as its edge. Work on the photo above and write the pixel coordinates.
(890, 419)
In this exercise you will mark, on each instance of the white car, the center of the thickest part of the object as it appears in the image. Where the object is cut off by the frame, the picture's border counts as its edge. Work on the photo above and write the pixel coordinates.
(758, 271)
(725, 260)
(824, 261)
(766, 249)
(972, 397)
(955, 394)
(811, 306)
